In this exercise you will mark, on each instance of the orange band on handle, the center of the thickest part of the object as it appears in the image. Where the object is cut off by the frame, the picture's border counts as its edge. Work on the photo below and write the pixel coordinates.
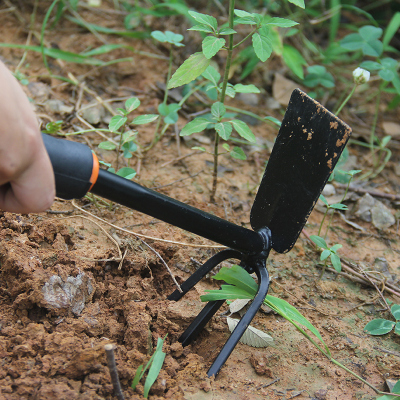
(95, 171)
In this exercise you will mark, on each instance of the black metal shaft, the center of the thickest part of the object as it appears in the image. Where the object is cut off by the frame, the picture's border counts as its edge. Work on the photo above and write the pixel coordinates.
(137, 197)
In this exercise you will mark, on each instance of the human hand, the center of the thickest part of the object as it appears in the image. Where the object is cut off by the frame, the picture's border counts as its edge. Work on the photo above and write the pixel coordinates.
(26, 174)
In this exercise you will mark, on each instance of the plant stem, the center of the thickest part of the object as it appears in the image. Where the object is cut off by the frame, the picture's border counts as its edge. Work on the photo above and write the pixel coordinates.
(346, 100)
(109, 349)
(373, 128)
(222, 98)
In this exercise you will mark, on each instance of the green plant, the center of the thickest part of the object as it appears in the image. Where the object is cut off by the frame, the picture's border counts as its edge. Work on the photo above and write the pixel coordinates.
(169, 112)
(154, 366)
(317, 75)
(331, 252)
(381, 326)
(199, 63)
(395, 390)
(120, 125)
(367, 41)
(240, 285)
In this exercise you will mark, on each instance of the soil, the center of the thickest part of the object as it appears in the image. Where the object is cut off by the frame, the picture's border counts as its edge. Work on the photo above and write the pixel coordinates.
(70, 282)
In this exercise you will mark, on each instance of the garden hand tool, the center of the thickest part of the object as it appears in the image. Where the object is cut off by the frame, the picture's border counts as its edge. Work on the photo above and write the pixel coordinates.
(306, 150)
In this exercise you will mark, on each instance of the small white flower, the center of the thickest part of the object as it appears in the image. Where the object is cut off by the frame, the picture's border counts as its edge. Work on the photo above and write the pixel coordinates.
(361, 75)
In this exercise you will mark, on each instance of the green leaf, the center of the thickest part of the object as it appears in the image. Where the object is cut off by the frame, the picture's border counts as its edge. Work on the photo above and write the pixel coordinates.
(198, 148)
(262, 47)
(370, 32)
(298, 3)
(352, 42)
(211, 45)
(137, 377)
(107, 145)
(230, 91)
(386, 74)
(205, 19)
(158, 35)
(155, 368)
(294, 60)
(224, 130)
(144, 119)
(243, 130)
(212, 75)
(391, 29)
(240, 88)
(238, 153)
(323, 199)
(174, 38)
(336, 247)
(105, 48)
(226, 31)
(116, 122)
(319, 241)
(201, 28)
(371, 65)
(290, 313)
(126, 172)
(218, 110)
(226, 292)
(193, 67)
(339, 206)
(395, 310)
(397, 331)
(226, 146)
(281, 22)
(325, 254)
(335, 259)
(379, 326)
(243, 14)
(195, 126)
(237, 276)
(131, 104)
(396, 387)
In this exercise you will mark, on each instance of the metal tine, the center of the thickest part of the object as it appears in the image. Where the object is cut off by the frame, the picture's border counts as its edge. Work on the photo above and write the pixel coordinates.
(200, 321)
(245, 321)
(203, 271)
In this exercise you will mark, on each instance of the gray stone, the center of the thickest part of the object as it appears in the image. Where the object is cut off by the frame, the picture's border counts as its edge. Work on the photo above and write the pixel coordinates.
(71, 294)
(93, 114)
(382, 218)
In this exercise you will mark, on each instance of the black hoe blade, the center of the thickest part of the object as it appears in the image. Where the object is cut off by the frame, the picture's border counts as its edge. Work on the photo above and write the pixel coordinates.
(307, 148)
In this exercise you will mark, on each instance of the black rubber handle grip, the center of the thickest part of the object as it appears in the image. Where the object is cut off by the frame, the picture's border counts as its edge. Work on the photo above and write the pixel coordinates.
(75, 167)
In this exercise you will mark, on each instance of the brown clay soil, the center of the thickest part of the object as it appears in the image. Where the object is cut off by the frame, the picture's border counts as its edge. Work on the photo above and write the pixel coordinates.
(71, 283)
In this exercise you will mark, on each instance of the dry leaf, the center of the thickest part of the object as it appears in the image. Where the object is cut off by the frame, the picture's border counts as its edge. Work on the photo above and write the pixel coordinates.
(252, 336)
(237, 305)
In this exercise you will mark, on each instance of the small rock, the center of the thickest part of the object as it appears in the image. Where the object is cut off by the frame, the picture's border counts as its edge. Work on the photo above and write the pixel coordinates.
(93, 114)
(391, 128)
(282, 89)
(73, 293)
(58, 106)
(251, 99)
(39, 91)
(321, 394)
(272, 104)
(364, 207)
(382, 217)
(260, 364)
(329, 190)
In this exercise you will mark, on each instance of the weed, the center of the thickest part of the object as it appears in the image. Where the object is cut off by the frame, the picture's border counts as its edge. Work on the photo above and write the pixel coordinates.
(120, 125)
(154, 365)
(381, 326)
(240, 285)
(367, 42)
(331, 252)
(199, 64)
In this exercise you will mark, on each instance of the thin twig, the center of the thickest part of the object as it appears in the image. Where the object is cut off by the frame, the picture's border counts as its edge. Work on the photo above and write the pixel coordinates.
(180, 158)
(109, 349)
(141, 240)
(178, 180)
(139, 235)
(375, 193)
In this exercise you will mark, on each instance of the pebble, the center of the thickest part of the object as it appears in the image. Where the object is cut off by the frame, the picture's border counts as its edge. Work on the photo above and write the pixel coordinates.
(58, 106)
(329, 190)
(372, 210)
(93, 114)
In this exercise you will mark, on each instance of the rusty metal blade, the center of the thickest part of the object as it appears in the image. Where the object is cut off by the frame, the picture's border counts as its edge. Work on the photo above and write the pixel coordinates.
(307, 148)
